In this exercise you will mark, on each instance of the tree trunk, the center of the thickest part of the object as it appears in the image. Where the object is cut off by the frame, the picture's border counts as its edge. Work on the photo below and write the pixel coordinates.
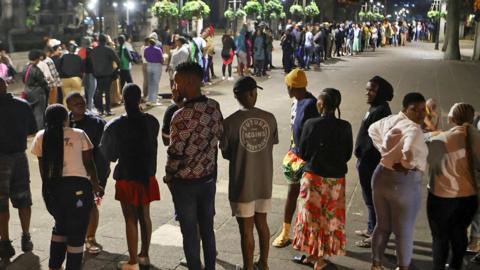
(476, 46)
(453, 24)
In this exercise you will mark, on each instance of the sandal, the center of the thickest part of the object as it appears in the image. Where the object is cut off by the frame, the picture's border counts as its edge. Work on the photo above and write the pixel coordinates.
(363, 233)
(92, 246)
(365, 243)
(281, 242)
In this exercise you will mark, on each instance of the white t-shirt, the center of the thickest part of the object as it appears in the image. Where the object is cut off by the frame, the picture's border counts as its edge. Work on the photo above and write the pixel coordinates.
(308, 39)
(75, 142)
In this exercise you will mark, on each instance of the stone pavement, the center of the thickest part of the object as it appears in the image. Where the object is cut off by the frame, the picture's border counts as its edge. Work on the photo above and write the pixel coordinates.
(416, 67)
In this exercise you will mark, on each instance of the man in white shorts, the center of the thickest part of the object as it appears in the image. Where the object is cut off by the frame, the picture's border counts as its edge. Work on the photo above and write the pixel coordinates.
(249, 136)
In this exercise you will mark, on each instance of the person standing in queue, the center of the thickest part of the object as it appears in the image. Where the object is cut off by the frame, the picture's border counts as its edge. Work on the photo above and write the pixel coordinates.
(249, 136)
(396, 182)
(379, 93)
(191, 169)
(131, 139)
(303, 108)
(69, 181)
(326, 146)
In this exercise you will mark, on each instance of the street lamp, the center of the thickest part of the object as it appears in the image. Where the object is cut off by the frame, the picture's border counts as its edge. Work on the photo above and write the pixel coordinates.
(92, 4)
(129, 5)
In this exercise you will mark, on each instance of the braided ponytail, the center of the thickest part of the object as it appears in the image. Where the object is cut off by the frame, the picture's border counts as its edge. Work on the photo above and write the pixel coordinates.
(462, 114)
(52, 145)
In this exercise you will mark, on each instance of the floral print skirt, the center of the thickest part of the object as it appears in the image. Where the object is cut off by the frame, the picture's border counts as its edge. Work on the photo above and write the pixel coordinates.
(320, 224)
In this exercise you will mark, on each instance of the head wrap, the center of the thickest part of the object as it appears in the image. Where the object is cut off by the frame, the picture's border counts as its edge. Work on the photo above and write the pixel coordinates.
(296, 79)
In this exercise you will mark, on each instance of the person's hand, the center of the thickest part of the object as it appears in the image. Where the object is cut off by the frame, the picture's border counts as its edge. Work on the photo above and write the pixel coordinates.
(98, 190)
(399, 167)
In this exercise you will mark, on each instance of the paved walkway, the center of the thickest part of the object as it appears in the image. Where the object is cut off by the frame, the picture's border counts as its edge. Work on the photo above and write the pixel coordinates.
(416, 67)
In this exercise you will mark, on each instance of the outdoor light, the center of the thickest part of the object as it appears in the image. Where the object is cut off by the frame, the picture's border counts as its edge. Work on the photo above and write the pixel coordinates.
(115, 4)
(129, 5)
(92, 4)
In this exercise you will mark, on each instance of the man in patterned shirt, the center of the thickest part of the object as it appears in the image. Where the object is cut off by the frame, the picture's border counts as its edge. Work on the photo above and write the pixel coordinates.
(191, 168)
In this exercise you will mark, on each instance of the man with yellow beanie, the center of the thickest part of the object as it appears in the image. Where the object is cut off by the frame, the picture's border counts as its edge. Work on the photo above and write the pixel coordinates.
(303, 108)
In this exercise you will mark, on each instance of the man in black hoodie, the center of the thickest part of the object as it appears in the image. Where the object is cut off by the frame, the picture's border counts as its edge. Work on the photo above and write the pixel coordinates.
(379, 92)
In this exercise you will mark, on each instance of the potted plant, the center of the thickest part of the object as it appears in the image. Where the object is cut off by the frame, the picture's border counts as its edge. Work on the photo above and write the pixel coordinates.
(312, 10)
(240, 13)
(195, 9)
(229, 15)
(297, 11)
(253, 8)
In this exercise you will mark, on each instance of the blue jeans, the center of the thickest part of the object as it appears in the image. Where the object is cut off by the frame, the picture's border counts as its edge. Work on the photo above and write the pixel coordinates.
(154, 73)
(365, 170)
(195, 206)
(475, 229)
(90, 85)
(308, 55)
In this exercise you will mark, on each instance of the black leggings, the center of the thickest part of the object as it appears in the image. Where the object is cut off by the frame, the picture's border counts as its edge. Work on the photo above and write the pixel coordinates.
(70, 203)
(224, 67)
(449, 219)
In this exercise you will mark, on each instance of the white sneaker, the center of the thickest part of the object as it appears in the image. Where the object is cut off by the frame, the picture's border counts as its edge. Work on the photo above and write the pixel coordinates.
(124, 265)
(230, 78)
(223, 78)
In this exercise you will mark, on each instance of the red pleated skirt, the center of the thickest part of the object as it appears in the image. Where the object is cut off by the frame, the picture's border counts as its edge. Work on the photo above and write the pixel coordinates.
(137, 193)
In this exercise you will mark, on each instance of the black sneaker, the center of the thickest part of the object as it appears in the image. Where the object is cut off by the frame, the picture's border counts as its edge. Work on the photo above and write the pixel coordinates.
(27, 244)
(6, 249)
(476, 259)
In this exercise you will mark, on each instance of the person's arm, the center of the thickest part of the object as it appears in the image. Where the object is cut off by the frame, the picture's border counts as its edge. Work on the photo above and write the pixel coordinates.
(176, 148)
(305, 146)
(375, 131)
(89, 163)
(348, 142)
(108, 144)
(413, 139)
(224, 144)
(115, 57)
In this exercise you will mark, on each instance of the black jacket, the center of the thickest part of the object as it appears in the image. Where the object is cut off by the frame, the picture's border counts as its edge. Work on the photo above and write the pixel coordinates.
(326, 146)
(364, 148)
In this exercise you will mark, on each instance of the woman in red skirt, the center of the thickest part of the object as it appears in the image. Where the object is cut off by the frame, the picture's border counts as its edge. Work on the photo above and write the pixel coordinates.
(326, 146)
(131, 139)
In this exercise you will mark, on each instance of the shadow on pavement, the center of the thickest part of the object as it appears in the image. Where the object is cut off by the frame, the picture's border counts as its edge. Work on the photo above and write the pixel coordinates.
(25, 261)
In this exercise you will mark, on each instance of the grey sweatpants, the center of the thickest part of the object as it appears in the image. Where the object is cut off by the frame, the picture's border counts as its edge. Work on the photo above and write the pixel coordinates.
(396, 197)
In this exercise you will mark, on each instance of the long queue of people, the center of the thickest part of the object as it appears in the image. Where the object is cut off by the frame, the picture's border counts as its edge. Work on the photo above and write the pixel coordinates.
(393, 151)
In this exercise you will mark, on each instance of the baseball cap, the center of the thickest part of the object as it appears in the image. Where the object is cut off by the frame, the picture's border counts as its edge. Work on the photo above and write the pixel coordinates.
(246, 83)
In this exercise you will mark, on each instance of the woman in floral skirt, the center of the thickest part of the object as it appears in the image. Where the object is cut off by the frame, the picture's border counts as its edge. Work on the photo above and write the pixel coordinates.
(326, 146)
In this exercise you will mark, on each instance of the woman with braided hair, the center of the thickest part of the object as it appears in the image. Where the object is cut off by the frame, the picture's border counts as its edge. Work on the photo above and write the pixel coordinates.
(452, 199)
(69, 180)
(326, 146)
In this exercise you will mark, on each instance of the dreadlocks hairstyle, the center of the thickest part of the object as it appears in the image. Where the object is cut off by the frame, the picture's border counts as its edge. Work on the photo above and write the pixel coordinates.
(462, 114)
(52, 145)
(331, 100)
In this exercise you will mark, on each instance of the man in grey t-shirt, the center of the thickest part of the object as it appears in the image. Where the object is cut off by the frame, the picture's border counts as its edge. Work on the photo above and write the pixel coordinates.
(249, 136)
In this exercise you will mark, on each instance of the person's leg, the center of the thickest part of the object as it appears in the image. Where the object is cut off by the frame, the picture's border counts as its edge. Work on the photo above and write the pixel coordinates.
(90, 84)
(383, 229)
(365, 170)
(459, 240)
(230, 70)
(123, 78)
(289, 210)
(247, 241)
(145, 229)
(212, 70)
(7, 164)
(77, 217)
(439, 213)
(407, 202)
(185, 201)
(224, 67)
(98, 97)
(145, 80)
(474, 245)
(108, 87)
(206, 213)
(130, 215)
(58, 243)
(154, 74)
(263, 238)
(93, 222)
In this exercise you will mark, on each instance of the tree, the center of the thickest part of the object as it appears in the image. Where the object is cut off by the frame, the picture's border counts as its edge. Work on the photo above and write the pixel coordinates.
(253, 8)
(452, 50)
(312, 10)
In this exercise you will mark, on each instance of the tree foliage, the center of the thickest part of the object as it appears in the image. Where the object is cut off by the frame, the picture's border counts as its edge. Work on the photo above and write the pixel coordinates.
(32, 11)
(165, 9)
(195, 8)
(253, 7)
(296, 10)
(312, 10)
(229, 14)
(274, 6)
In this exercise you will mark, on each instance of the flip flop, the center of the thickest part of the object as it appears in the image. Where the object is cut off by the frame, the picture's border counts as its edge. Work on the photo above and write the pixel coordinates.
(365, 243)
(302, 259)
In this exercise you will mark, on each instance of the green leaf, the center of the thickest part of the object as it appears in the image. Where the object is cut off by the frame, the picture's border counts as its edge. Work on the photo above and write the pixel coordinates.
(296, 10)
(253, 7)
(165, 9)
(195, 8)
(312, 10)
(240, 13)
(273, 6)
